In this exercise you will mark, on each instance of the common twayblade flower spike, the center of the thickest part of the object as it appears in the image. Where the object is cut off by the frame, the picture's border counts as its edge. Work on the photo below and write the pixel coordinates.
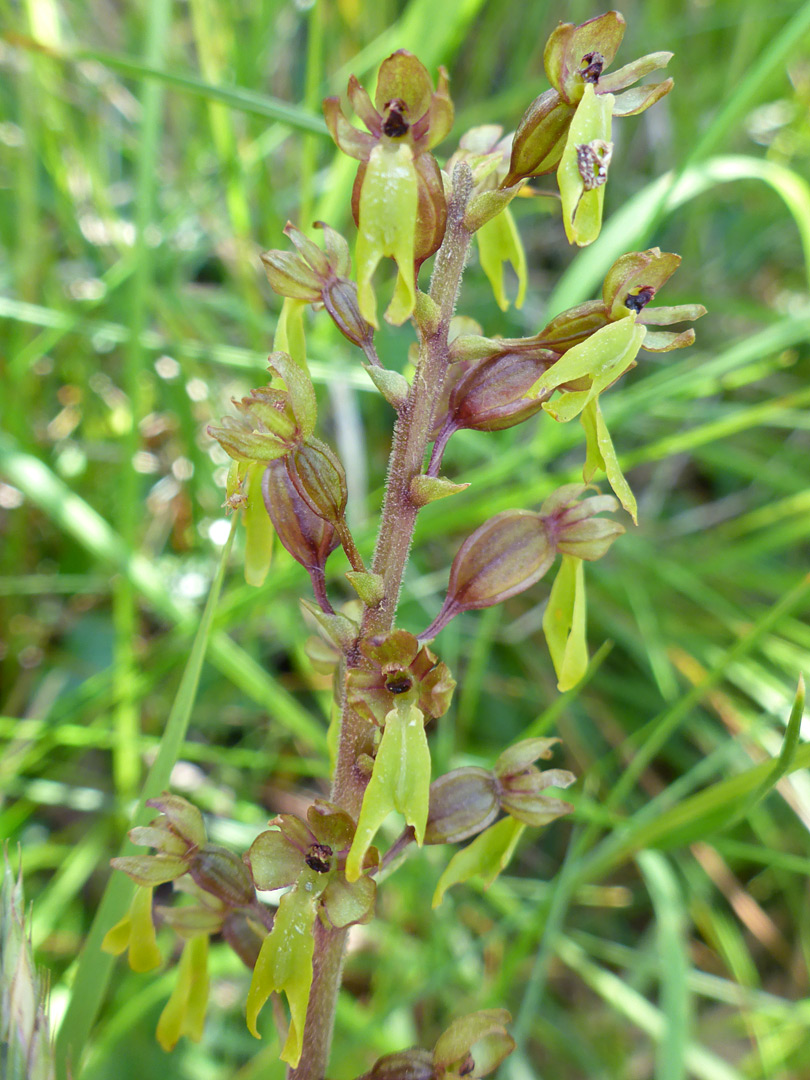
(390, 689)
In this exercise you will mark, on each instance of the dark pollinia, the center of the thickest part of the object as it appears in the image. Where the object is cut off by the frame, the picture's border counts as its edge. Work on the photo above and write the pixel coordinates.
(318, 858)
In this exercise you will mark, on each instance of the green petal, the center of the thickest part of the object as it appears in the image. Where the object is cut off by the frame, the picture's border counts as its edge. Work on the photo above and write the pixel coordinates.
(601, 454)
(498, 243)
(488, 854)
(285, 964)
(274, 862)
(602, 357)
(581, 209)
(564, 623)
(387, 227)
(136, 931)
(184, 1012)
(258, 528)
(349, 902)
(399, 781)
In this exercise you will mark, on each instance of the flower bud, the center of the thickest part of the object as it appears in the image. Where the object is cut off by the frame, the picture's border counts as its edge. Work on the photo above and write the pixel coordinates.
(289, 275)
(540, 137)
(462, 803)
(502, 558)
(308, 538)
(223, 874)
(340, 300)
(319, 478)
(427, 489)
(491, 396)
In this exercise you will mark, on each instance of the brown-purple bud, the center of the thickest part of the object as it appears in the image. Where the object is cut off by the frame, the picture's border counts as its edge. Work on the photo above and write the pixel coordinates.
(502, 558)
(491, 396)
(540, 138)
(340, 300)
(308, 538)
(319, 478)
(462, 803)
(223, 874)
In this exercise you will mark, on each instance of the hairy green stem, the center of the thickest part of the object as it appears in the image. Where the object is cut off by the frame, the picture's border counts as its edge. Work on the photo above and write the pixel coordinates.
(411, 438)
(413, 427)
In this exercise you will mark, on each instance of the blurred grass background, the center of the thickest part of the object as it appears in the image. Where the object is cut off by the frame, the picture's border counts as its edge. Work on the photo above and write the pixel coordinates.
(150, 152)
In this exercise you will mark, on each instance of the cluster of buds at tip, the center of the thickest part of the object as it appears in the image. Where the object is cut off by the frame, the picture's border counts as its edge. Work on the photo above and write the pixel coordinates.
(466, 801)
(514, 549)
(398, 200)
(320, 277)
(473, 1046)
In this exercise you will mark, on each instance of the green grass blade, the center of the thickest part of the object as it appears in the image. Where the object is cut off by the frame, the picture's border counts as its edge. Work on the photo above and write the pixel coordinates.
(236, 97)
(618, 995)
(88, 527)
(671, 950)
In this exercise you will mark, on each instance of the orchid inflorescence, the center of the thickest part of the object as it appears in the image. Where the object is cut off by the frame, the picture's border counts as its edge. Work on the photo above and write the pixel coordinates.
(389, 683)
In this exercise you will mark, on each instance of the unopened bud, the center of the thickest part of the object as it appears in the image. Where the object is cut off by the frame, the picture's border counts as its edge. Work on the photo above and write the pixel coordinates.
(340, 300)
(462, 803)
(290, 276)
(308, 538)
(223, 874)
(319, 478)
(491, 396)
(431, 209)
(540, 138)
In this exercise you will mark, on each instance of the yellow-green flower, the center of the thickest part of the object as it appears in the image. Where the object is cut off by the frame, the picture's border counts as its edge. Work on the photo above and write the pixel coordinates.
(184, 1012)
(136, 933)
(398, 200)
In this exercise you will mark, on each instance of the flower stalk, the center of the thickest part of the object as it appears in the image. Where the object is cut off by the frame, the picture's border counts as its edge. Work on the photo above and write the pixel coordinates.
(389, 686)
